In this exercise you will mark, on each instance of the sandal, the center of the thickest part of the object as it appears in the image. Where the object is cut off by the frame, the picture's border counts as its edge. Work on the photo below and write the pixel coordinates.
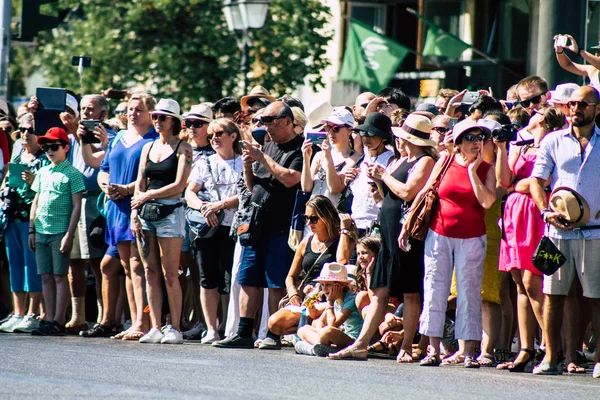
(404, 357)
(430, 360)
(350, 353)
(471, 362)
(486, 360)
(133, 335)
(418, 354)
(502, 356)
(119, 335)
(454, 359)
(378, 347)
(572, 368)
(520, 366)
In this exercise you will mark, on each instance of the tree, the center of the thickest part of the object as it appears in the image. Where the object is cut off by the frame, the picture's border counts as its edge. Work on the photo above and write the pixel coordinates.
(182, 48)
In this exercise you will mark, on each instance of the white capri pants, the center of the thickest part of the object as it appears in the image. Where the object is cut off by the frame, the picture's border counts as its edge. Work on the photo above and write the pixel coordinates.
(442, 255)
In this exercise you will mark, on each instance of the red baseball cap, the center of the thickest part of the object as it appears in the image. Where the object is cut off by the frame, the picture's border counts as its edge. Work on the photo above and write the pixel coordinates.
(53, 135)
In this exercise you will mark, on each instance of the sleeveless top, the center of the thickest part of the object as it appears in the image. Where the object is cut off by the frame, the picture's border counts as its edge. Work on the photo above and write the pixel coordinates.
(310, 257)
(459, 214)
(164, 172)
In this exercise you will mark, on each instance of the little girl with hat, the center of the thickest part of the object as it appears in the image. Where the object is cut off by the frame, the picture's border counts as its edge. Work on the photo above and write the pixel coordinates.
(340, 321)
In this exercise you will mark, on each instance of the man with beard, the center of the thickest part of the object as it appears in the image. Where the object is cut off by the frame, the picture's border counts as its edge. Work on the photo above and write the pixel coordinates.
(571, 159)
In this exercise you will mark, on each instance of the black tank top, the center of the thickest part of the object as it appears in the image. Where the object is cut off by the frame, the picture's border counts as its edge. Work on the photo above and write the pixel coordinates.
(310, 257)
(164, 172)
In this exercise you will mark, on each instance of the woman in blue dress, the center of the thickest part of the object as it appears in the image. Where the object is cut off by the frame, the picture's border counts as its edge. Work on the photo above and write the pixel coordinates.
(117, 177)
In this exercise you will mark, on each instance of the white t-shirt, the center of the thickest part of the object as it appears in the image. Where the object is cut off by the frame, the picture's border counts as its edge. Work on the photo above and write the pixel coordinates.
(225, 173)
(364, 208)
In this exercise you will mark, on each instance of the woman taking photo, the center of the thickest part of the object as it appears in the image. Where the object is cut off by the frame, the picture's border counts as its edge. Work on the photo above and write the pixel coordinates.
(518, 246)
(397, 273)
(332, 239)
(157, 218)
(24, 279)
(457, 239)
(217, 175)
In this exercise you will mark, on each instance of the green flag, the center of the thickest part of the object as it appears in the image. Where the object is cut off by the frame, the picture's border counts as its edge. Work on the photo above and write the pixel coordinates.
(370, 59)
(441, 43)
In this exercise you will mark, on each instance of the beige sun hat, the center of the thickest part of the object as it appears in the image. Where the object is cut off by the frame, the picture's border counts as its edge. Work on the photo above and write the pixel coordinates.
(316, 116)
(571, 204)
(201, 112)
(257, 92)
(416, 130)
(333, 272)
(168, 107)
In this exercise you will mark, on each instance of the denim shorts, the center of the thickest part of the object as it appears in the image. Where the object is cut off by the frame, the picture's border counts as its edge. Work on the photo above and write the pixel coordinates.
(48, 256)
(267, 264)
(173, 225)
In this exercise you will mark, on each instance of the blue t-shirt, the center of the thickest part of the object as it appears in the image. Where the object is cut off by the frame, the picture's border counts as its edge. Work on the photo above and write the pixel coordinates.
(354, 323)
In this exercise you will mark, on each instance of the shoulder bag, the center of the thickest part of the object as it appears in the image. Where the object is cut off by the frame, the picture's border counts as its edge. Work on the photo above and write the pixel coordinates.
(419, 217)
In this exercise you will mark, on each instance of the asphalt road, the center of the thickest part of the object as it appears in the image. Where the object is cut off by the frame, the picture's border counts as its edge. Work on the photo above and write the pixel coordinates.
(69, 367)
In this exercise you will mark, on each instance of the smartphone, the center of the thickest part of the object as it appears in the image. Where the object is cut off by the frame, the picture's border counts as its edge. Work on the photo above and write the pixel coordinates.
(87, 61)
(116, 94)
(316, 137)
(470, 98)
(562, 40)
(89, 136)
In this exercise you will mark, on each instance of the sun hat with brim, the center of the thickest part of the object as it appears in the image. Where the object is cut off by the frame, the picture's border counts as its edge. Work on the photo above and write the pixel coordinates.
(429, 108)
(258, 92)
(316, 116)
(571, 205)
(53, 135)
(333, 272)
(168, 107)
(416, 130)
(562, 93)
(467, 125)
(377, 124)
(340, 116)
(201, 112)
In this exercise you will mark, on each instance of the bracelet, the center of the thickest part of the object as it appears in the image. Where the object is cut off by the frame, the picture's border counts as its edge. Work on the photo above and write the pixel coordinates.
(559, 52)
(344, 232)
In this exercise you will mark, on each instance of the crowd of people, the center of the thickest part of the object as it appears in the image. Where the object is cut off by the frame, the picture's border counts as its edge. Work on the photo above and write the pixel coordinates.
(251, 223)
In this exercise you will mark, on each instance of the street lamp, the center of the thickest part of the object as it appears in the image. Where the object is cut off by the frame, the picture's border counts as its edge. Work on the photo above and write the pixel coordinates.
(243, 15)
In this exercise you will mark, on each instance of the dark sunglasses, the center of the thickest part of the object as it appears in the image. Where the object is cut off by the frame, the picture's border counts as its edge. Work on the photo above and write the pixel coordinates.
(579, 104)
(471, 137)
(440, 129)
(266, 119)
(310, 219)
(217, 134)
(256, 120)
(365, 133)
(332, 128)
(159, 117)
(196, 124)
(54, 147)
(534, 100)
(26, 130)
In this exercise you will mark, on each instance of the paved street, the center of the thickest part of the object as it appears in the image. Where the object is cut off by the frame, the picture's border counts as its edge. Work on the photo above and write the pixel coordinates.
(69, 367)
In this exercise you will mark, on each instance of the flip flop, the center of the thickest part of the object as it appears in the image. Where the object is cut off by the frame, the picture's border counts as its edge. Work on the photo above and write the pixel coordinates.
(455, 359)
(133, 335)
(119, 335)
(350, 353)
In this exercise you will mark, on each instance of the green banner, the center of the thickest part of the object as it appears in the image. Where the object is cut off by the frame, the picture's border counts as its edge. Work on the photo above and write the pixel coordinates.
(370, 59)
(440, 43)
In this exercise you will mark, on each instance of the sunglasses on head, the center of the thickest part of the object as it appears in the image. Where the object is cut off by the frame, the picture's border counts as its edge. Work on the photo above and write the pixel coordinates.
(310, 219)
(440, 129)
(195, 124)
(267, 119)
(53, 146)
(215, 134)
(26, 130)
(534, 100)
(471, 137)
(579, 104)
(159, 117)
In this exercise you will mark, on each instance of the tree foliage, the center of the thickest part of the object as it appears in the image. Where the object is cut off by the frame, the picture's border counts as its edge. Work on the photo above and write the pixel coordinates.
(182, 48)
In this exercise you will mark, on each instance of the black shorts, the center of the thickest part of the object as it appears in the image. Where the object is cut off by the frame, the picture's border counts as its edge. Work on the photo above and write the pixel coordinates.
(215, 260)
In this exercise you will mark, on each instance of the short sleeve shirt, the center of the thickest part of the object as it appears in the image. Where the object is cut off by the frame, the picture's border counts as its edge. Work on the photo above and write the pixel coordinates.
(55, 184)
(354, 322)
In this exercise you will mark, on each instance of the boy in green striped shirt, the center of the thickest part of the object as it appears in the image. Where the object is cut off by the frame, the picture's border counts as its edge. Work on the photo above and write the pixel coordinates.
(53, 221)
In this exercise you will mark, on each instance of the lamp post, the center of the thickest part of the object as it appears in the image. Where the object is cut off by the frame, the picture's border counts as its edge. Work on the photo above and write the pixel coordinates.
(243, 15)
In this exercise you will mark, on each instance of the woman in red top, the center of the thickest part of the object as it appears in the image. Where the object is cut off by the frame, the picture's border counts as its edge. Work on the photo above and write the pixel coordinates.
(456, 239)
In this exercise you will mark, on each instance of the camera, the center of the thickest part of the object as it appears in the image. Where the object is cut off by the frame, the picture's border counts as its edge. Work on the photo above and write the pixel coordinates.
(507, 133)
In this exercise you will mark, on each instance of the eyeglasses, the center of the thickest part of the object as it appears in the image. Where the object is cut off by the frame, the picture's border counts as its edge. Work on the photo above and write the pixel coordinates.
(332, 128)
(215, 134)
(440, 129)
(365, 133)
(534, 100)
(117, 112)
(26, 130)
(159, 117)
(471, 137)
(579, 104)
(196, 124)
(310, 219)
(267, 119)
(54, 147)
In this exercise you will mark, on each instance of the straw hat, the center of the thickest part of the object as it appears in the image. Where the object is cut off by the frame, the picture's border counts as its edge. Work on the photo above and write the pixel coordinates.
(316, 116)
(333, 272)
(201, 112)
(168, 107)
(416, 130)
(258, 92)
(571, 205)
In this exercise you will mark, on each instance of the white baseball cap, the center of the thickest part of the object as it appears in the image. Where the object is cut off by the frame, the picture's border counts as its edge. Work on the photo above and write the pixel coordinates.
(340, 116)
(73, 104)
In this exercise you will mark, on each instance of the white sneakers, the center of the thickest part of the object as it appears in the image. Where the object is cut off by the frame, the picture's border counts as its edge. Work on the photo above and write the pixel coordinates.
(27, 325)
(210, 337)
(10, 325)
(170, 336)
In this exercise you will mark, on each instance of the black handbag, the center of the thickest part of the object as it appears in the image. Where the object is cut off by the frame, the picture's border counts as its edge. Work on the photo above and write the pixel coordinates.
(547, 257)
(155, 211)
